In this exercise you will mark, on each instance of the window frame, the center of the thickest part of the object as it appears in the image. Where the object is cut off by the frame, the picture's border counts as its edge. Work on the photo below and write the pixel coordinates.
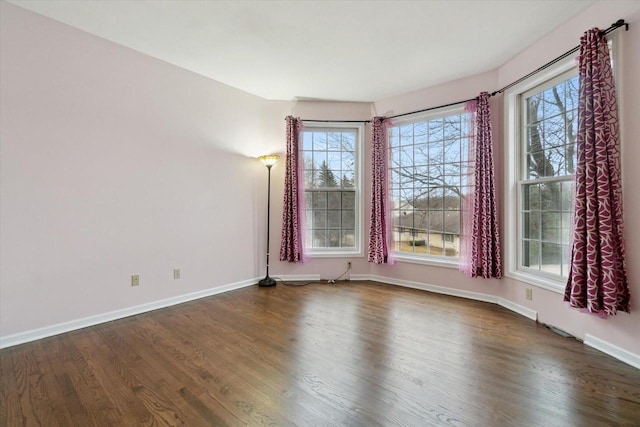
(358, 249)
(437, 261)
(515, 163)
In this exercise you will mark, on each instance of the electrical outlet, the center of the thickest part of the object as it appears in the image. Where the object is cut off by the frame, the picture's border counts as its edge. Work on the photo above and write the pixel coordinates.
(176, 273)
(529, 294)
(349, 265)
(135, 280)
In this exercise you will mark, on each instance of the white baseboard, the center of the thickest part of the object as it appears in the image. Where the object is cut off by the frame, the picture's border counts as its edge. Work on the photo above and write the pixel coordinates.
(298, 277)
(48, 331)
(523, 311)
(613, 350)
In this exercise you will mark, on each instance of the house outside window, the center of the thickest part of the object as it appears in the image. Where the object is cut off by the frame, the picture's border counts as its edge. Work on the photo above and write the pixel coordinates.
(428, 160)
(332, 182)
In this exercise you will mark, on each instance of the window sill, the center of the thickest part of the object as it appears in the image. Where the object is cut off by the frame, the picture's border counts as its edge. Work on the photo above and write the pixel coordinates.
(540, 282)
(454, 263)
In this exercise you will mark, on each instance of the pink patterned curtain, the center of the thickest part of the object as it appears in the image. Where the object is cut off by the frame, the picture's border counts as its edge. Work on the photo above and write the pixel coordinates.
(597, 280)
(480, 237)
(293, 210)
(379, 229)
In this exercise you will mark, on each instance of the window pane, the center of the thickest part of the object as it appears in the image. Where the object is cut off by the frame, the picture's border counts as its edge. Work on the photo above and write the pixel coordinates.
(333, 200)
(550, 196)
(348, 238)
(307, 141)
(531, 254)
(348, 219)
(436, 153)
(452, 223)
(565, 260)
(319, 199)
(531, 197)
(551, 258)
(308, 178)
(319, 160)
(319, 238)
(566, 228)
(333, 238)
(567, 196)
(435, 130)
(348, 161)
(319, 141)
(333, 219)
(551, 227)
(319, 219)
(348, 180)
(421, 153)
(348, 200)
(531, 225)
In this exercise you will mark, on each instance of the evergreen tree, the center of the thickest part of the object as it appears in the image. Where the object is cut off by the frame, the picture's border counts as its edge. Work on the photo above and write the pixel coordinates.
(346, 182)
(326, 176)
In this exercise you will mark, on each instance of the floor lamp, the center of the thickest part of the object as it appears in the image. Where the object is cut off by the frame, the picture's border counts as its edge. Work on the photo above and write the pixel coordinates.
(268, 162)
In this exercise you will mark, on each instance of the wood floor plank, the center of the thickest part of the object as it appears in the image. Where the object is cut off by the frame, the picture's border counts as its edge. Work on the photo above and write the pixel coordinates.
(101, 409)
(10, 407)
(107, 371)
(56, 357)
(351, 354)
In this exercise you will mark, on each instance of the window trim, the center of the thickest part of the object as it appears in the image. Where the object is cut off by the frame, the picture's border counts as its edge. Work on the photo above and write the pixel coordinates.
(358, 250)
(512, 165)
(447, 262)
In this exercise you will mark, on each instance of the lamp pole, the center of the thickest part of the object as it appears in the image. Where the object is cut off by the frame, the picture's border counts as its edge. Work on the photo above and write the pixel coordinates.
(269, 161)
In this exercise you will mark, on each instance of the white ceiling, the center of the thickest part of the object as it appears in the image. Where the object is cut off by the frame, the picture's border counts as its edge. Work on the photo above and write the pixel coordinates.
(328, 50)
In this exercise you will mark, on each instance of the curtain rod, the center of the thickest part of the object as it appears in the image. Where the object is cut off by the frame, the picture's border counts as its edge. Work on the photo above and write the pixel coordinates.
(337, 121)
(618, 24)
(429, 109)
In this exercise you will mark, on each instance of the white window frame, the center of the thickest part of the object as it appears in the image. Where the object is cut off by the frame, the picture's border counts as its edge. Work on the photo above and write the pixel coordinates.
(448, 262)
(514, 161)
(357, 250)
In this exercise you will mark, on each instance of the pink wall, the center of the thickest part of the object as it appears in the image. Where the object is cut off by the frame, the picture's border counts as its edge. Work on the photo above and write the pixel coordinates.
(114, 163)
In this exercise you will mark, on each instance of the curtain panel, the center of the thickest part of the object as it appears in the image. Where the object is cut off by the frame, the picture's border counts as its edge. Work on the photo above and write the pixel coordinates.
(597, 281)
(293, 210)
(480, 236)
(379, 228)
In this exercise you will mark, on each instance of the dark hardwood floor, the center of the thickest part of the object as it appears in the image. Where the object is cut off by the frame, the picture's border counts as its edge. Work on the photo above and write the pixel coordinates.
(354, 354)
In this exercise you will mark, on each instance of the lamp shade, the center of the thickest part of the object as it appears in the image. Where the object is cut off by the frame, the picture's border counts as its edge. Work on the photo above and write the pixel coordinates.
(269, 160)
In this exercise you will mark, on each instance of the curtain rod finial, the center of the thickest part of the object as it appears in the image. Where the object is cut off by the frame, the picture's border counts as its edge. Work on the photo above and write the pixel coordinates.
(620, 23)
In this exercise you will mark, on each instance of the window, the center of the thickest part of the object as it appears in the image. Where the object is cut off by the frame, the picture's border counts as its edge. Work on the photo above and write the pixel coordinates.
(541, 154)
(332, 189)
(549, 125)
(428, 158)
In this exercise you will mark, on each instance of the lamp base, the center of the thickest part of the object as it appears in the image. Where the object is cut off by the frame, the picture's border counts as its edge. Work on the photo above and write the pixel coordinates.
(267, 281)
